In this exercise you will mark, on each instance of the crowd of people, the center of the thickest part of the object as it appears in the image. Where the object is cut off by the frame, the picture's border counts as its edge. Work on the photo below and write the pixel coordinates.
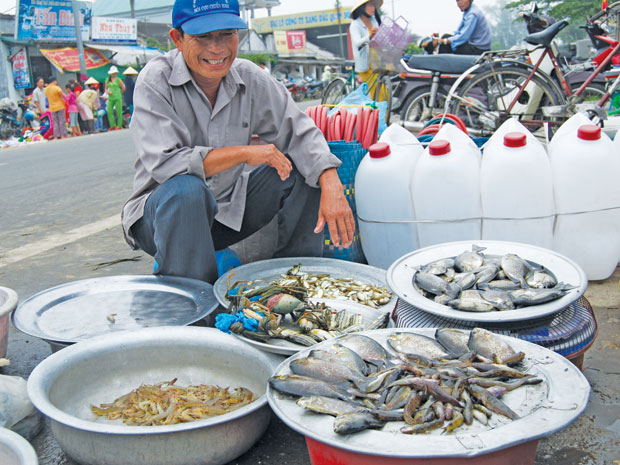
(83, 107)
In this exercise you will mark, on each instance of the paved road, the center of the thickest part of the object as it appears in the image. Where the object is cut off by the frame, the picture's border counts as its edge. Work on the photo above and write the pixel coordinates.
(60, 205)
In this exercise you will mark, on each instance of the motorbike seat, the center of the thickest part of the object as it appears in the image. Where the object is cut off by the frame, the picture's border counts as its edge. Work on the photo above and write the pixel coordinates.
(546, 36)
(444, 62)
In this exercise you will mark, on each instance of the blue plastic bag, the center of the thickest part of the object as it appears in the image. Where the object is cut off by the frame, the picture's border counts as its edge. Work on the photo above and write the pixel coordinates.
(360, 97)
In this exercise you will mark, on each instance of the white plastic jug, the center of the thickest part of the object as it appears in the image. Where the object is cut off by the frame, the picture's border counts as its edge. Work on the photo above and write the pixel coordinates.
(383, 200)
(585, 179)
(445, 190)
(511, 125)
(516, 182)
(570, 126)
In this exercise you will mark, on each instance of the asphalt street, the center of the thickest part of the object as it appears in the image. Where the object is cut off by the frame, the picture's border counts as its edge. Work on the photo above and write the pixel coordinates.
(60, 222)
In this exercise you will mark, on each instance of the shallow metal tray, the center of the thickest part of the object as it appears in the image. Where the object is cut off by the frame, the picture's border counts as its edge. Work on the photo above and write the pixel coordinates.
(80, 310)
(544, 409)
(283, 347)
(400, 274)
(268, 270)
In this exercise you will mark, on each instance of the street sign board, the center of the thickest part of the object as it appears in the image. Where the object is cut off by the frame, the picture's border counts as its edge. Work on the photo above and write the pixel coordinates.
(50, 20)
(114, 30)
(21, 70)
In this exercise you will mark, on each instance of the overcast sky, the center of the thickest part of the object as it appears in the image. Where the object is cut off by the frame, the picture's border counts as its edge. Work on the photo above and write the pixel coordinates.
(424, 16)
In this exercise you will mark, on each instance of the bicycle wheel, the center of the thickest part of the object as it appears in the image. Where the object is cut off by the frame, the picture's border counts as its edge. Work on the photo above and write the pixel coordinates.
(383, 93)
(417, 109)
(334, 92)
(483, 101)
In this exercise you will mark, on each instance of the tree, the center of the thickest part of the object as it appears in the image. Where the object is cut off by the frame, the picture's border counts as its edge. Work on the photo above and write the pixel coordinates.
(575, 11)
(506, 27)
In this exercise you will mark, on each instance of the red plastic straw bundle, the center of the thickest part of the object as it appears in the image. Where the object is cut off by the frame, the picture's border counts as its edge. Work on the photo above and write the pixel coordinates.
(343, 125)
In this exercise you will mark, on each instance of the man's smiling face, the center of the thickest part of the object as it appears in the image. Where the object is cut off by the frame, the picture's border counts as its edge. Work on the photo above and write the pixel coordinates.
(209, 56)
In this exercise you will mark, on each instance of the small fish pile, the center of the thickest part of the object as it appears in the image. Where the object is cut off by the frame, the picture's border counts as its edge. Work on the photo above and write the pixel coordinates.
(324, 286)
(452, 380)
(474, 282)
(306, 325)
(167, 404)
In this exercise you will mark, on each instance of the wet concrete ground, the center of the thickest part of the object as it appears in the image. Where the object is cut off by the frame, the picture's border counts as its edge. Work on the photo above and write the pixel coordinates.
(594, 439)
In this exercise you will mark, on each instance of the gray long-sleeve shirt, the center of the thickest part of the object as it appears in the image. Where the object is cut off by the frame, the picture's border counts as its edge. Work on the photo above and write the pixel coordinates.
(174, 128)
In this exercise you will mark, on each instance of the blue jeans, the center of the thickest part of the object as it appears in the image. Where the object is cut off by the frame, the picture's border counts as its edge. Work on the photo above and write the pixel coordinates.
(179, 229)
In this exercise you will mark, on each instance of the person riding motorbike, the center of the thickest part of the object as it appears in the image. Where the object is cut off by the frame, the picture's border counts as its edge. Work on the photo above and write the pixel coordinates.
(473, 36)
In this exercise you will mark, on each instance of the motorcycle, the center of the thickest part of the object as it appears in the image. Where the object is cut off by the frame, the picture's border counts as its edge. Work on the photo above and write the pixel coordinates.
(297, 88)
(425, 80)
(14, 118)
(315, 87)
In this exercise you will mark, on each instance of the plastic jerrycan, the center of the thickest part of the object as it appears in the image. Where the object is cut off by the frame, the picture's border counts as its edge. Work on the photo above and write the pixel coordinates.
(516, 189)
(510, 125)
(383, 200)
(585, 179)
(570, 126)
(446, 189)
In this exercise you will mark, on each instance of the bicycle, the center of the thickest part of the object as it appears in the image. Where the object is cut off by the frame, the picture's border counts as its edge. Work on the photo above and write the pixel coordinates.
(503, 85)
(379, 82)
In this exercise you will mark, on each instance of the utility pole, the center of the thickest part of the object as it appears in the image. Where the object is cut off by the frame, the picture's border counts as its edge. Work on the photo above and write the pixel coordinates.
(132, 7)
(340, 28)
(78, 37)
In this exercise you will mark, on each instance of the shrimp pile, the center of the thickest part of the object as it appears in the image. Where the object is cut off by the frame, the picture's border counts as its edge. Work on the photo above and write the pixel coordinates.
(167, 404)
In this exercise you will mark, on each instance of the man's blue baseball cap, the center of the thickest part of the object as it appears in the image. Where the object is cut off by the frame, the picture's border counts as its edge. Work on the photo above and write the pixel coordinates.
(201, 16)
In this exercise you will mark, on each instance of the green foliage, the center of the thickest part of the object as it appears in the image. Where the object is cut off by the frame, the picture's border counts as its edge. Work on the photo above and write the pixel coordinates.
(258, 57)
(413, 49)
(575, 11)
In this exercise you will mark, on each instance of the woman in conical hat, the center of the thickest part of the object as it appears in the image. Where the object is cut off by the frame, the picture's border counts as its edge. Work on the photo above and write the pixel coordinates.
(366, 21)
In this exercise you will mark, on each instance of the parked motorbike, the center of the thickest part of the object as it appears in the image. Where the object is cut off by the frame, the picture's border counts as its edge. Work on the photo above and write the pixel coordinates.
(315, 87)
(297, 88)
(14, 118)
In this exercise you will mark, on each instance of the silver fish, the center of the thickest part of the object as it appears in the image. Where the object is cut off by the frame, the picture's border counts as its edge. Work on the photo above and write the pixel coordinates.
(348, 357)
(349, 423)
(435, 284)
(500, 285)
(465, 280)
(515, 268)
(469, 261)
(471, 301)
(304, 386)
(501, 300)
(490, 346)
(486, 273)
(540, 279)
(536, 296)
(368, 349)
(416, 344)
(331, 371)
(454, 340)
(327, 405)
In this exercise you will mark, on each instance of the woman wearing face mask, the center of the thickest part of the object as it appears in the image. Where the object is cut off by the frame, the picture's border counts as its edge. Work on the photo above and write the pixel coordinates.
(366, 21)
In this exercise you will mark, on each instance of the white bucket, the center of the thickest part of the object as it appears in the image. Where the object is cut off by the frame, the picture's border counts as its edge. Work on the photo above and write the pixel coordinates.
(383, 199)
(585, 170)
(516, 183)
(446, 189)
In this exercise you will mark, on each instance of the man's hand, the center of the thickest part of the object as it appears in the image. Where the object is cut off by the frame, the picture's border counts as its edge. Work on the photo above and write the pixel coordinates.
(224, 158)
(269, 155)
(334, 210)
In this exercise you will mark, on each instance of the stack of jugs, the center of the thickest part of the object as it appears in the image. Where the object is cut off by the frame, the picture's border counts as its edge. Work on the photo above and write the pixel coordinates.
(383, 199)
(587, 193)
(446, 189)
(516, 188)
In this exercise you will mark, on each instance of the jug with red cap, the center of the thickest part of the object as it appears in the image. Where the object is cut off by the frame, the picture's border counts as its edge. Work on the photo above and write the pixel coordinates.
(446, 189)
(585, 171)
(516, 191)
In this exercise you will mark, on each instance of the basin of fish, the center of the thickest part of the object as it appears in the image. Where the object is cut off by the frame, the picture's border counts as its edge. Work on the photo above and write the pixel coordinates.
(427, 392)
(517, 281)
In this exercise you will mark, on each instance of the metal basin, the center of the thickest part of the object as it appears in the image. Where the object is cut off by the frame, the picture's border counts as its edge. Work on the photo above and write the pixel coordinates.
(15, 450)
(8, 302)
(99, 370)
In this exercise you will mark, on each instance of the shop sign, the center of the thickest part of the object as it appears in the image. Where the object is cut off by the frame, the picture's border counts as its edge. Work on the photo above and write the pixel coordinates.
(21, 70)
(68, 59)
(301, 20)
(114, 30)
(50, 20)
(290, 42)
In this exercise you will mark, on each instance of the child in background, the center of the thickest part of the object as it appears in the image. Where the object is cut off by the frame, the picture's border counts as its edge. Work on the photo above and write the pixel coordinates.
(72, 108)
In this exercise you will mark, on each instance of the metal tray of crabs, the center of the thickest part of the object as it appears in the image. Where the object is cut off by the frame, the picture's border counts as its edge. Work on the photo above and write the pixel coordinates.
(282, 324)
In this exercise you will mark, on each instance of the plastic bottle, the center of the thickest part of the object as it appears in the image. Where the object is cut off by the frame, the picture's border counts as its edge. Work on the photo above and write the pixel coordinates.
(383, 200)
(446, 187)
(516, 182)
(570, 126)
(585, 179)
(511, 125)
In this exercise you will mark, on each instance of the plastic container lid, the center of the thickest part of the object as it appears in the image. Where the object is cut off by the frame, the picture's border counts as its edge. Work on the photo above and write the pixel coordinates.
(439, 147)
(379, 150)
(589, 132)
(515, 139)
